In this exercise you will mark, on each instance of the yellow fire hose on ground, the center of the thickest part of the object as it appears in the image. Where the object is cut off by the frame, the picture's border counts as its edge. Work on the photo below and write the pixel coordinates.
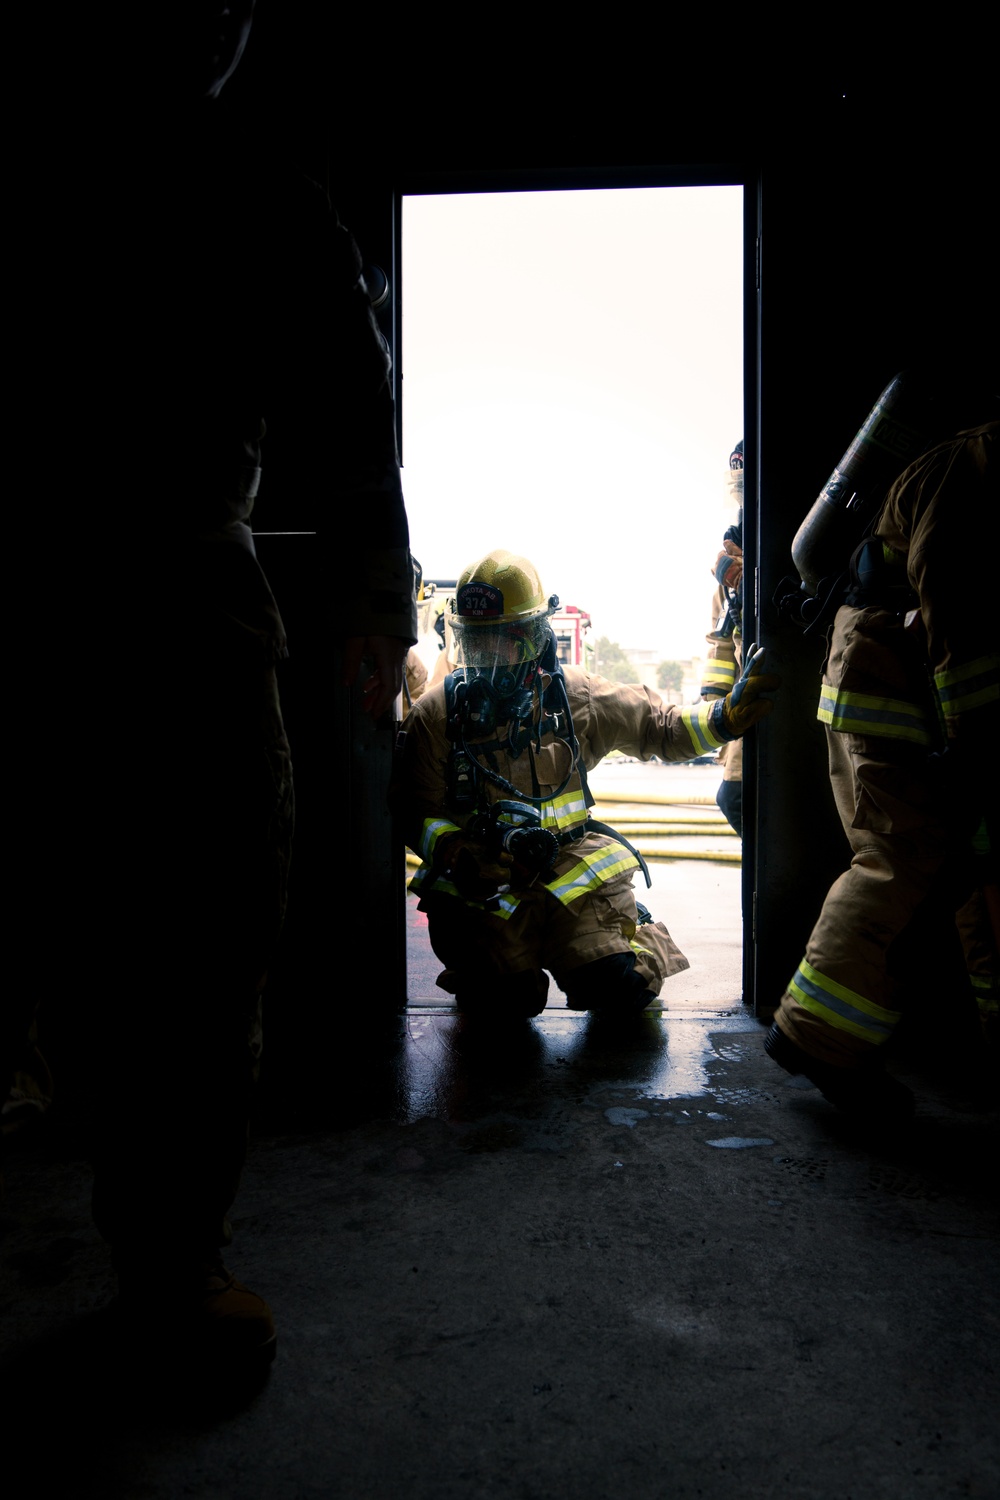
(656, 799)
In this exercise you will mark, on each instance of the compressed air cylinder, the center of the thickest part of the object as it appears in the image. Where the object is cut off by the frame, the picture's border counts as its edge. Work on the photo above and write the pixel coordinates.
(908, 417)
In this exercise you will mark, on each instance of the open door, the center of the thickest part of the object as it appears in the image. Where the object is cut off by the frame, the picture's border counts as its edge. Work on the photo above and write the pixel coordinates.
(576, 366)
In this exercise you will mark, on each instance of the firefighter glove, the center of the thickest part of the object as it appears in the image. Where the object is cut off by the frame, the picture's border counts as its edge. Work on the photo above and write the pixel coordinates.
(750, 699)
(476, 871)
(728, 568)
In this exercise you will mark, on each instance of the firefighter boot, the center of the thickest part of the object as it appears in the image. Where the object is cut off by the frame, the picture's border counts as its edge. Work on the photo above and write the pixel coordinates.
(608, 987)
(502, 998)
(202, 1319)
(865, 1093)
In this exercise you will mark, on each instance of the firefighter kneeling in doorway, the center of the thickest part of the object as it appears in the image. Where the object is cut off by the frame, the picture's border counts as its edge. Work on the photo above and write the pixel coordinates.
(491, 789)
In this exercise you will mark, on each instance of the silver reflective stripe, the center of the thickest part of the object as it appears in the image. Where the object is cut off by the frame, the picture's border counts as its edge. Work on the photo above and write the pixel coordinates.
(590, 872)
(424, 882)
(970, 686)
(697, 720)
(986, 988)
(863, 713)
(434, 829)
(841, 1007)
(566, 811)
(719, 675)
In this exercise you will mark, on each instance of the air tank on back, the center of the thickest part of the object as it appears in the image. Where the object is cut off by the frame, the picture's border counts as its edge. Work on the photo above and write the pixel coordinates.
(907, 418)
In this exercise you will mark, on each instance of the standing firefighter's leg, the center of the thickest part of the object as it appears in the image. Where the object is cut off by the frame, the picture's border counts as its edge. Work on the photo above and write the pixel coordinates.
(729, 797)
(981, 957)
(844, 1000)
(168, 1046)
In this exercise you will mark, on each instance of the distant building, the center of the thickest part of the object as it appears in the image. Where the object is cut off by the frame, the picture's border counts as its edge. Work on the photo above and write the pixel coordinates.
(647, 663)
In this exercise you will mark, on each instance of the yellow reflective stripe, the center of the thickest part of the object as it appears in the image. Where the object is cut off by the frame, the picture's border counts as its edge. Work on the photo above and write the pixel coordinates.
(565, 811)
(841, 1007)
(591, 871)
(433, 830)
(697, 720)
(504, 906)
(976, 668)
(441, 886)
(718, 676)
(969, 686)
(864, 713)
(422, 883)
(986, 988)
(588, 874)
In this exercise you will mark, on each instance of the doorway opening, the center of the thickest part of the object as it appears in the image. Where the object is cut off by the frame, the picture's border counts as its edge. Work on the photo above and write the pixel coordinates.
(572, 390)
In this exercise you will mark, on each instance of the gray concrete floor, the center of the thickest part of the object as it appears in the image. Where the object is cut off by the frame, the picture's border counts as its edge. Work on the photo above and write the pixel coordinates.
(567, 1264)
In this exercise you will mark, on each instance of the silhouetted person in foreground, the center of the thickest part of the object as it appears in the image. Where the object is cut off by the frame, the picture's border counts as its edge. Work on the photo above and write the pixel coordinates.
(220, 297)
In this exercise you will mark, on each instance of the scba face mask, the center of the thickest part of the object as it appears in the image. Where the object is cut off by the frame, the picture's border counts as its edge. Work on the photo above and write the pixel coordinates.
(499, 623)
(489, 698)
(498, 665)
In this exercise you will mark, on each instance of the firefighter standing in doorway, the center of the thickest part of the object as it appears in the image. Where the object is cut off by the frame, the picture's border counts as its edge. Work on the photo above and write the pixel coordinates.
(724, 642)
(911, 703)
(219, 284)
(491, 789)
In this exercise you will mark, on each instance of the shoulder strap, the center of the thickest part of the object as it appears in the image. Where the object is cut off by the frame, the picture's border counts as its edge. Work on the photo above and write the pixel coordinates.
(462, 774)
(451, 717)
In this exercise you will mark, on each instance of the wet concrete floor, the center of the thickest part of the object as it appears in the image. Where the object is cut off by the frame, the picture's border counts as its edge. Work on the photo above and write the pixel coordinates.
(564, 1262)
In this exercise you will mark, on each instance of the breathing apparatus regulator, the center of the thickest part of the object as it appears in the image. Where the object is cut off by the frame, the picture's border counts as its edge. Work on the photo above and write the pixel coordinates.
(515, 828)
(485, 702)
(914, 412)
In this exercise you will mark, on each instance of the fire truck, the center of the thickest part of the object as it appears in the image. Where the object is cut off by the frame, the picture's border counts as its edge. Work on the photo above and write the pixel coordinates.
(571, 624)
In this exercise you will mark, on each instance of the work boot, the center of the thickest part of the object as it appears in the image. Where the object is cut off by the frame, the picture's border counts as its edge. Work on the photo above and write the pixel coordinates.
(608, 987)
(503, 999)
(865, 1092)
(198, 1314)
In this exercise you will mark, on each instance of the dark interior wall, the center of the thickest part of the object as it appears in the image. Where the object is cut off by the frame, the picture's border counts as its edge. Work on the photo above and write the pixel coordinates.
(876, 182)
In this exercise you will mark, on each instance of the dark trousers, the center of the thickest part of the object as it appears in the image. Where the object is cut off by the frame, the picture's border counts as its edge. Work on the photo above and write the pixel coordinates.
(181, 823)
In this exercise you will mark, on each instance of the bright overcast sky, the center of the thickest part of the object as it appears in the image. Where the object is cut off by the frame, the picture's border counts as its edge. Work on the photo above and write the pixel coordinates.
(572, 388)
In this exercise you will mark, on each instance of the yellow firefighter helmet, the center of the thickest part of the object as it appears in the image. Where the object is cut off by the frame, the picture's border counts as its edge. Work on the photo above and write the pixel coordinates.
(499, 616)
